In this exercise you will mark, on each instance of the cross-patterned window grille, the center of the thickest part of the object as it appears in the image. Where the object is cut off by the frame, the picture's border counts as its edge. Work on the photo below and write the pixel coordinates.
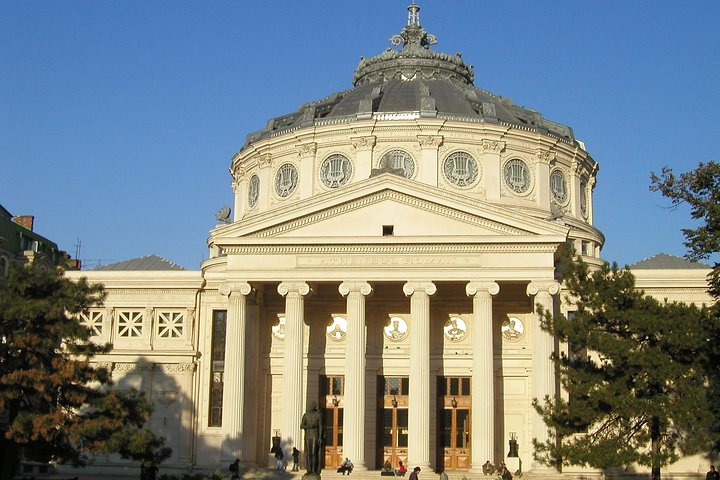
(130, 324)
(94, 322)
(217, 368)
(171, 324)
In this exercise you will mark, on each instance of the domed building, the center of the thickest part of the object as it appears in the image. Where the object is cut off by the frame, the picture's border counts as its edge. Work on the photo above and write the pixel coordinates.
(387, 248)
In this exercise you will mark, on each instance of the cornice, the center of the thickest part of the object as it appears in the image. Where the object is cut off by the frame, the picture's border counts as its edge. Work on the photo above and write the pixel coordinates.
(393, 249)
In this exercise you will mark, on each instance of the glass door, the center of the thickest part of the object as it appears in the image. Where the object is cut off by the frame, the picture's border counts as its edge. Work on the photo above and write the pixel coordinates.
(454, 401)
(331, 400)
(393, 403)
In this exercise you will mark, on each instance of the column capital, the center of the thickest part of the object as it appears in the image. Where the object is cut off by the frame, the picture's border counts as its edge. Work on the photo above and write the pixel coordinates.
(227, 289)
(430, 141)
(414, 287)
(551, 286)
(296, 287)
(473, 288)
(346, 287)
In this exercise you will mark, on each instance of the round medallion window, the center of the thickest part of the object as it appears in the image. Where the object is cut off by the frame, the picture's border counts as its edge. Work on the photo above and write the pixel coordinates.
(336, 171)
(397, 329)
(512, 329)
(399, 160)
(253, 191)
(558, 187)
(455, 329)
(460, 169)
(517, 175)
(286, 180)
(337, 330)
(583, 198)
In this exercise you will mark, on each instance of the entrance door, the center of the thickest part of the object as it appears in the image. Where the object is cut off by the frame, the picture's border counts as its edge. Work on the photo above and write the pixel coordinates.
(454, 402)
(393, 404)
(331, 400)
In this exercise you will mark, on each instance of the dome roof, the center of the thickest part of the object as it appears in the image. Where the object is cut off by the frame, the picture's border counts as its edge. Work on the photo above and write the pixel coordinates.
(414, 81)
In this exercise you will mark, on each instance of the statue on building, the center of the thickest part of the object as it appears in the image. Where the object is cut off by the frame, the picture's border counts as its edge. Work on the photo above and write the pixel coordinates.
(312, 424)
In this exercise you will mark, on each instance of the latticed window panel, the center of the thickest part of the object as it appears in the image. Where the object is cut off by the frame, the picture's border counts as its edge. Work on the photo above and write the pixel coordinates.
(94, 322)
(130, 324)
(171, 324)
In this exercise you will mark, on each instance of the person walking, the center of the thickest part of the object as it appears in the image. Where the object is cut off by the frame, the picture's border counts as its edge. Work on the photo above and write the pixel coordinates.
(414, 474)
(279, 464)
(296, 459)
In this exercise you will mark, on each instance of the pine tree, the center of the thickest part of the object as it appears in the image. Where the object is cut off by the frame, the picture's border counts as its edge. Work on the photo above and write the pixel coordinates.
(634, 375)
(54, 403)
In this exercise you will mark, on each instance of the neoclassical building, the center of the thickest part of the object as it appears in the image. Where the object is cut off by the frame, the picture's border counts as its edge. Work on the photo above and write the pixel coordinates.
(386, 251)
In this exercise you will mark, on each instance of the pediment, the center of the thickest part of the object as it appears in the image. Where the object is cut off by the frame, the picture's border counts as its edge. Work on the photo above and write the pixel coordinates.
(411, 210)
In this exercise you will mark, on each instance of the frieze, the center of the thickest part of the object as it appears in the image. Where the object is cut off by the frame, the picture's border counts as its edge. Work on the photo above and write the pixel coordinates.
(390, 249)
(188, 367)
(388, 261)
(106, 365)
(133, 367)
(144, 291)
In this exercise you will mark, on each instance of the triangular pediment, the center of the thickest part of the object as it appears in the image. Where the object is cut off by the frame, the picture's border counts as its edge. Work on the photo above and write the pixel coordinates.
(410, 210)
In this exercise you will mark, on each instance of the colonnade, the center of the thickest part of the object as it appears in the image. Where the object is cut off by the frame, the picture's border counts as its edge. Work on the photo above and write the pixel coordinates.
(420, 293)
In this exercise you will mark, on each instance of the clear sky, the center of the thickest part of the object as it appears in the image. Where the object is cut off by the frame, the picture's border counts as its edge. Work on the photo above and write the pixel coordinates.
(118, 119)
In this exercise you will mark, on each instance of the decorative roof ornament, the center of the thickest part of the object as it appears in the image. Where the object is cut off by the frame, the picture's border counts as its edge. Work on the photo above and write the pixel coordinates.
(413, 37)
(415, 61)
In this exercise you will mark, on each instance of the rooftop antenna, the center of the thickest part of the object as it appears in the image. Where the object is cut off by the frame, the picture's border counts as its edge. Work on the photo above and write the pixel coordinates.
(413, 15)
(77, 248)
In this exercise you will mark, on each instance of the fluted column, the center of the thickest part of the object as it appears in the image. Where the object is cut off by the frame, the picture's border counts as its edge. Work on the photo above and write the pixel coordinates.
(419, 407)
(234, 378)
(543, 370)
(354, 400)
(292, 410)
(483, 379)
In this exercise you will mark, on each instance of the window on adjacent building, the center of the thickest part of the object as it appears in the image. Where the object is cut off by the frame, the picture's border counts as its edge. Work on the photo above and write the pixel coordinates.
(217, 368)
(171, 324)
(130, 324)
(93, 320)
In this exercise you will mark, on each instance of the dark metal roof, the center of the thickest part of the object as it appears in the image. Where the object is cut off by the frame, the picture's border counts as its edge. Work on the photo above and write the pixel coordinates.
(414, 79)
(146, 263)
(670, 262)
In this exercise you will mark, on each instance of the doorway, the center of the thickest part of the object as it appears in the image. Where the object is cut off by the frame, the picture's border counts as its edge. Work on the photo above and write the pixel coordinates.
(331, 398)
(454, 420)
(393, 406)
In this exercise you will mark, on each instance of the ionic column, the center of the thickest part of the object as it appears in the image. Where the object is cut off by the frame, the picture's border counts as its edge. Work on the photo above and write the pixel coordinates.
(234, 377)
(543, 370)
(354, 413)
(419, 407)
(483, 379)
(292, 410)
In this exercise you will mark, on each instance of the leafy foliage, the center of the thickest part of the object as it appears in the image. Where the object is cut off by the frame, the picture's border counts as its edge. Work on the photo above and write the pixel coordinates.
(635, 376)
(55, 403)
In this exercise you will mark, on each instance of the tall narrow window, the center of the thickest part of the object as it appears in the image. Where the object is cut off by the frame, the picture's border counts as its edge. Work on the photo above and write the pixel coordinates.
(217, 368)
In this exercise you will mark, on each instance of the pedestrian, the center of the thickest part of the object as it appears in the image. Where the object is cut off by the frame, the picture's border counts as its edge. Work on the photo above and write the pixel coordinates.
(235, 469)
(401, 469)
(296, 459)
(712, 474)
(279, 465)
(346, 466)
(414, 474)
(443, 474)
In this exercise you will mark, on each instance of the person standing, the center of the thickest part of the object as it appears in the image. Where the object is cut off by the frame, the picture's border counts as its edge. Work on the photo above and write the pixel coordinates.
(712, 474)
(296, 459)
(279, 464)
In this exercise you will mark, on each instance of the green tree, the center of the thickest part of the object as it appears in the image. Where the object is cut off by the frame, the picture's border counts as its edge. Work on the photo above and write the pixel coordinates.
(637, 389)
(54, 404)
(700, 189)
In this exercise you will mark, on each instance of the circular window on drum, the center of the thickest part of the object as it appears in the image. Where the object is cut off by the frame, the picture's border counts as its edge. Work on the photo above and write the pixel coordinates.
(336, 171)
(517, 176)
(461, 169)
(558, 187)
(398, 160)
(253, 191)
(286, 180)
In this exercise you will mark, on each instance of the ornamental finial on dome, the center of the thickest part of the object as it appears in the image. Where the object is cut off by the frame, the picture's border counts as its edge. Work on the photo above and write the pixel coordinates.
(413, 37)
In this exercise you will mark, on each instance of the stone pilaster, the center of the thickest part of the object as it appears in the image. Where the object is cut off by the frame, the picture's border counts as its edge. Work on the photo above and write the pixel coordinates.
(543, 346)
(419, 407)
(429, 145)
(293, 401)
(363, 157)
(234, 377)
(492, 169)
(354, 400)
(483, 380)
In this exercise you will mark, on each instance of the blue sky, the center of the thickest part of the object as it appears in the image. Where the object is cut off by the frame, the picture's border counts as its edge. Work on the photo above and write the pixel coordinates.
(118, 119)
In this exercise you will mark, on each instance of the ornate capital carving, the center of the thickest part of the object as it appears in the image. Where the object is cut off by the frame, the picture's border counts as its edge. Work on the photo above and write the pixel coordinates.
(346, 287)
(428, 288)
(301, 288)
(238, 173)
(430, 141)
(227, 289)
(363, 143)
(492, 146)
(552, 287)
(265, 160)
(306, 149)
(544, 156)
(188, 367)
(473, 288)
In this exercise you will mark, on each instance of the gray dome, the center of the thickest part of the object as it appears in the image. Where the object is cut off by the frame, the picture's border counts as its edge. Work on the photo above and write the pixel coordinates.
(413, 80)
